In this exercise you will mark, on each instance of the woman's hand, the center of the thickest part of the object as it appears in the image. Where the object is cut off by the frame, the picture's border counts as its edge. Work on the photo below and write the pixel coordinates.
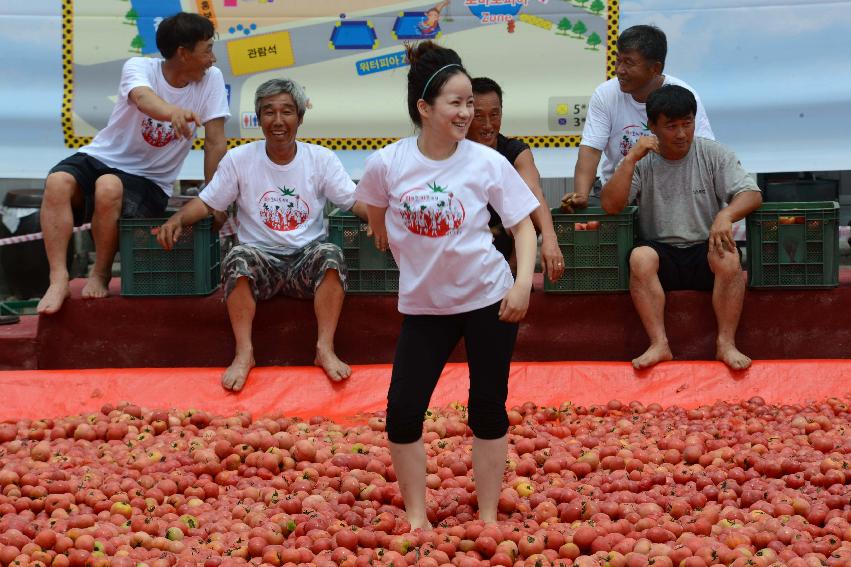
(377, 228)
(515, 303)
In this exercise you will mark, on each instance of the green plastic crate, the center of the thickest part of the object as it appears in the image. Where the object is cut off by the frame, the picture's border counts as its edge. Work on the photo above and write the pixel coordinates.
(595, 260)
(192, 267)
(794, 245)
(25, 307)
(370, 270)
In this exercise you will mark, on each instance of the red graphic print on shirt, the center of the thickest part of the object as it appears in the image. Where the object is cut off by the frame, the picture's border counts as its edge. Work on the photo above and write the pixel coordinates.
(282, 209)
(630, 135)
(157, 133)
(432, 211)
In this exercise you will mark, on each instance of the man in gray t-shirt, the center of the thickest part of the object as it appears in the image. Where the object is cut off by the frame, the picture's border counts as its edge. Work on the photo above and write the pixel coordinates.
(689, 192)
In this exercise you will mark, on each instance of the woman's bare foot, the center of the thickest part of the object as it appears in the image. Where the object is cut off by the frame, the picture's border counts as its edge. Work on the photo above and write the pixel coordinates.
(237, 373)
(655, 354)
(731, 356)
(97, 287)
(423, 524)
(54, 297)
(334, 368)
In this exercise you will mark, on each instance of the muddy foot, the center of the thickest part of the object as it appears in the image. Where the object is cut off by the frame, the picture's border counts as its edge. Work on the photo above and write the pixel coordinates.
(237, 373)
(732, 357)
(334, 368)
(53, 298)
(652, 356)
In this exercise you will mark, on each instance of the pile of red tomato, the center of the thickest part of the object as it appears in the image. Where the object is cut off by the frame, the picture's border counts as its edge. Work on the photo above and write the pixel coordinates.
(741, 484)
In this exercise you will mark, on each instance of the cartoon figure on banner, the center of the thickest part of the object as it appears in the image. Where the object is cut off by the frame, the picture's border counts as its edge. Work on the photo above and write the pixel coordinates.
(431, 20)
(157, 133)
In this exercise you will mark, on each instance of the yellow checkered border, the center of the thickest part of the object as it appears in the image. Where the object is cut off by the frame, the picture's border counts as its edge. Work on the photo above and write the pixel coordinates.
(72, 140)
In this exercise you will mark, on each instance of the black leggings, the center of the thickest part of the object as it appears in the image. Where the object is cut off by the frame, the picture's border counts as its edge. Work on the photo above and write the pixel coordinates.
(424, 346)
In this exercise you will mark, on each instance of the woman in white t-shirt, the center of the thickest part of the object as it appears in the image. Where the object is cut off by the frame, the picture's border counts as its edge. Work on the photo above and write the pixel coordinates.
(427, 198)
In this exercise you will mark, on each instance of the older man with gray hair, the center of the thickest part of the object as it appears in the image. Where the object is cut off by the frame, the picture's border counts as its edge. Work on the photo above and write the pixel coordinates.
(280, 186)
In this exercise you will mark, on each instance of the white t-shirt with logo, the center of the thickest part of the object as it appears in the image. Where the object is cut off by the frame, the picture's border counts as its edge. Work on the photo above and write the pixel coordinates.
(437, 223)
(135, 143)
(615, 121)
(280, 207)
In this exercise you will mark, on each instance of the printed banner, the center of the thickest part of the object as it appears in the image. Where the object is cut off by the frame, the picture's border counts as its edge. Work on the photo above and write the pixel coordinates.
(548, 55)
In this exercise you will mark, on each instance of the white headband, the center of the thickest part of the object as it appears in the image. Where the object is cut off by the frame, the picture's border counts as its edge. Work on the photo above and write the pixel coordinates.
(433, 75)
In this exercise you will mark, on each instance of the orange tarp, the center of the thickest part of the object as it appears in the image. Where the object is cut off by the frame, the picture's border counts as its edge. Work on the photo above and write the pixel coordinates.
(304, 391)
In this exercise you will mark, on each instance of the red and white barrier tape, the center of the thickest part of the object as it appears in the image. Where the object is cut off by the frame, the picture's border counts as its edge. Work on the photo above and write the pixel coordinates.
(37, 236)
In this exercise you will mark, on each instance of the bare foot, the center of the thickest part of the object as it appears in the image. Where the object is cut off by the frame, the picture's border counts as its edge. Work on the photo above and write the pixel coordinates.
(234, 377)
(424, 525)
(732, 357)
(335, 368)
(96, 287)
(53, 298)
(653, 355)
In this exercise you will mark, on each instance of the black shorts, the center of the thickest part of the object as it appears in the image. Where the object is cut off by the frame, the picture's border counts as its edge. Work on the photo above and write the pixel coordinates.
(682, 268)
(142, 197)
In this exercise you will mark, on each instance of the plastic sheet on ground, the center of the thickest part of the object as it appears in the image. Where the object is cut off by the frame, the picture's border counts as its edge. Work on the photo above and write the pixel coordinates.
(305, 391)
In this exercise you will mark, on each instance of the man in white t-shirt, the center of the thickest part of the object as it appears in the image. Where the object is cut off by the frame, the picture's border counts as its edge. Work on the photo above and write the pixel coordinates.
(129, 168)
(280, 186)
(617, 117)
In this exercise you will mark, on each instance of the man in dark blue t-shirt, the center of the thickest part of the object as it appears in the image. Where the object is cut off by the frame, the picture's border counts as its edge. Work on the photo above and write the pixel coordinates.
(484, 129)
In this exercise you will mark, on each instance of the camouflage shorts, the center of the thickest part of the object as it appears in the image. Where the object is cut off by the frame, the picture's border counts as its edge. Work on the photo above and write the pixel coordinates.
(295, 275)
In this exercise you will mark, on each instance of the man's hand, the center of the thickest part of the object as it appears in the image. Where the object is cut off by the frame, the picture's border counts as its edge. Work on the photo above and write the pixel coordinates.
(551, 258)
(376, 227)
(571, 202)
(721, 235)
(180, 119)
(168, 233)
(219, 220)
(379, 234)
(515, 304)
(644, 146)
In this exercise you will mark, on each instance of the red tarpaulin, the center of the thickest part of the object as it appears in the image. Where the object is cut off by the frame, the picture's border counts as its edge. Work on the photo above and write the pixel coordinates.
(305, 391)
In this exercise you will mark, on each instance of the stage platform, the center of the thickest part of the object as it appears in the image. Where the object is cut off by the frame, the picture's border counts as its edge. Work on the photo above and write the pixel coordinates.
(174, 332)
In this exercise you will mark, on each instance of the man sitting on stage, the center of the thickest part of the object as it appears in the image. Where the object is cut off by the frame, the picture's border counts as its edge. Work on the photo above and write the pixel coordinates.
(129, 168)
(681, 184)
(280, 186)
(484, 129)
(616, 112)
